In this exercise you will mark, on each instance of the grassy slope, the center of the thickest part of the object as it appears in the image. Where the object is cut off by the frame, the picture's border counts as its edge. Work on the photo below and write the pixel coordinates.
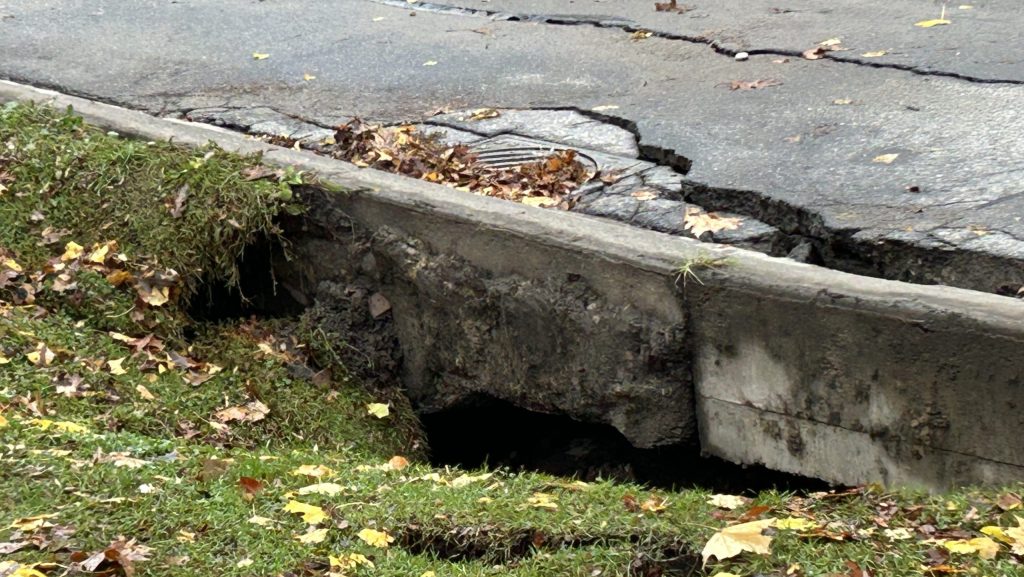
(155, 464)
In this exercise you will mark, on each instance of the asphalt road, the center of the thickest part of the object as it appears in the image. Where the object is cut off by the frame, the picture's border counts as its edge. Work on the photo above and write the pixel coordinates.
(802, 155)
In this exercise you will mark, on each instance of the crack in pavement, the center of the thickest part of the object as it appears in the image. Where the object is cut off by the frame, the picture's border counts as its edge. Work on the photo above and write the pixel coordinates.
(630, 27)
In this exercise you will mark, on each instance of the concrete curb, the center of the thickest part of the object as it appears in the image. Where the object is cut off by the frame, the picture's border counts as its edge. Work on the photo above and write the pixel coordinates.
(804, 369)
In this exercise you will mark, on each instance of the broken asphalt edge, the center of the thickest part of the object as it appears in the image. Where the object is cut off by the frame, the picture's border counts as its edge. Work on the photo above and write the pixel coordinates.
(803, 369)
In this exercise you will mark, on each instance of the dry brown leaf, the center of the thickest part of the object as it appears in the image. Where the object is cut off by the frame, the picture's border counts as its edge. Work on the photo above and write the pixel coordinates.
(699, 222)
(754, 84)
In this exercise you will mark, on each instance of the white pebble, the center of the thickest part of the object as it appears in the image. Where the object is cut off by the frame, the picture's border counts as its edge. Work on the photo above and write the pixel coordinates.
(741, 56)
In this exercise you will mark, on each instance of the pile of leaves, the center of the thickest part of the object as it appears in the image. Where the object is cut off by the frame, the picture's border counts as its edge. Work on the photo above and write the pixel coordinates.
(404, 150)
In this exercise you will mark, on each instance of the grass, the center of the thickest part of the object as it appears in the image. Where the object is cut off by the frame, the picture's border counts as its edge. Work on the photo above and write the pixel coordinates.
(127, 426)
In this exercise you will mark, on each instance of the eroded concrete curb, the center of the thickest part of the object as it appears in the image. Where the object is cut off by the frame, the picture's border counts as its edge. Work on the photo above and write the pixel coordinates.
(804, 369)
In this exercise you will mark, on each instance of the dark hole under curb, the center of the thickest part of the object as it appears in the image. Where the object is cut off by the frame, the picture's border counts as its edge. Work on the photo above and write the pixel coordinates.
(488, 431)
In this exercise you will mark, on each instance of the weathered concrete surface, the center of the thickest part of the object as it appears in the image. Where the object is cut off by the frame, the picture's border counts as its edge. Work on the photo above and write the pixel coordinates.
(805, 369)
(789, 155)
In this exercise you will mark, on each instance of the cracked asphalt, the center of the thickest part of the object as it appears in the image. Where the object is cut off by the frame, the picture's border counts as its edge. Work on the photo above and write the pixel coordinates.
(800, 156)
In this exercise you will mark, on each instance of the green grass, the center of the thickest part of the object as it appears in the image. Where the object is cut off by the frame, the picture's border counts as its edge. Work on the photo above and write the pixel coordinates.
(71, 424)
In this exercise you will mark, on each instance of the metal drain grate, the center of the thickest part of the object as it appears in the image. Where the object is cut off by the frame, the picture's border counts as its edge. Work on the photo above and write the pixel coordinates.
(512, 156)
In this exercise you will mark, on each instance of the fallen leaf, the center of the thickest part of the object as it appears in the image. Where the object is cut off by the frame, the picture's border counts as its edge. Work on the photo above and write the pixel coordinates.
(311, 514)
(796, 524)
(463, 480)
(41, 356)
(378, 304)
(308, 77)
(842, 101)
(729, 502)
(375, 538)
(699, 222)
(260, 56)
(484, 113)
(3, 421)
(985, 547)
(816, 53)
(640, 35)
(830, 43)
(261, 521)
(874, 54)
(249, 413)
(144, 393)
(349, 562)
(115, 366)
(671, 6)
(178, 208)
(898, 534)
(654, 505)
(543, 501)
(330, 489)
(732, 541)
(1008, 502)
(604, 107)
(753, 84)
(378, 18)
(931, 23)
(34, 523)
(430, 63)
(379, 410)
(312, 536)
(398, 462)
(313, 471)
(885, 158)
(250, 487)
(644, 194)
(244, 563)
(72, 250)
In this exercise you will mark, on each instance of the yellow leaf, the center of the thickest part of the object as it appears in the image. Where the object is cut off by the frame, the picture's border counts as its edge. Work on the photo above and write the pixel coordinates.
(313, 471)
(4, 360)
(350, 561)
(72, 250)
(379, 410)
(186, 536)
(3, 421)
(312, 536)
(62, 426)
(322, 489)
(311, 514)
(430, 63)
(543, 501)
(115, 366)
(308, 77)
(463, 480)
(985, 548)
(732, 541)
(965, 7)
(244, 563)
(796, 524)
(156, 296)
(30, 524)
(99, 256)
(724, 574)
(11, 264)
(261, 521)
(930, 23)
(654, 505)
(42, 356)
(378, 18)
(875, 54)
(727, 501)
(898, 534)
(144, 393)
(260, 56)
(375, 538)
(885, 158)
(26, 571)
(428, 574)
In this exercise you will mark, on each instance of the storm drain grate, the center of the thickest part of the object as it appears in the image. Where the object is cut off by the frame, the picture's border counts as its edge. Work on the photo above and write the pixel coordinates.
(512, 156)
